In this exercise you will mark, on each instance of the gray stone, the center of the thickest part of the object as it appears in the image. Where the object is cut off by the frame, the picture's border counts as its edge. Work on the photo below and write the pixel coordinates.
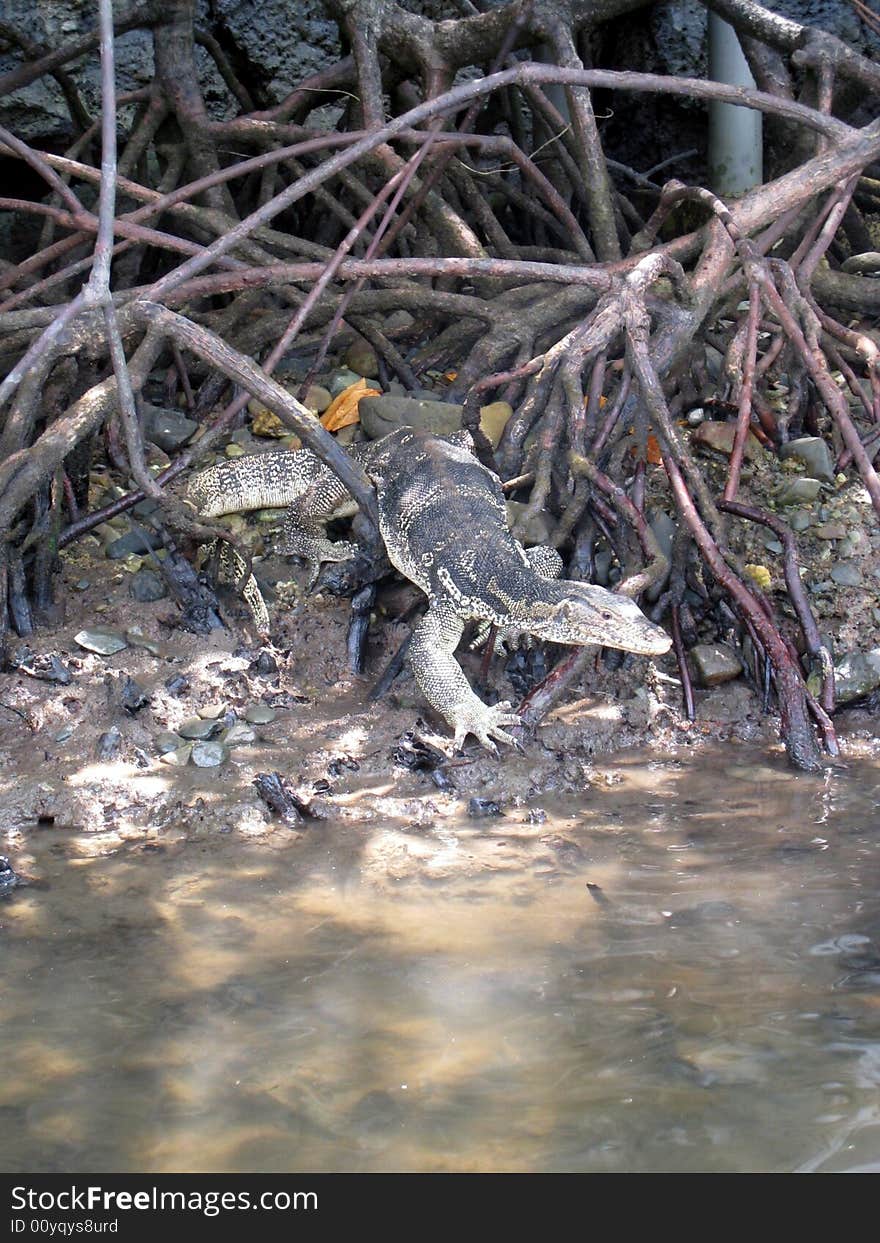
(361, 358)
(137, 638)
(209, 754)
(64, 733)
(341, 379)
(317, 398)
(830, 530)
(167, 428)
(799, 491)
(167, 741)
(855, 675)
(260, 714)
(716, 663)
(800, 520)
(238, 735)
(539, 528)
(146, 586)
(846, 574)
(138, 540)
(381, 415)
(104, 642)
(179, 757)
(814, 453)
(196, 728)
(211, 712)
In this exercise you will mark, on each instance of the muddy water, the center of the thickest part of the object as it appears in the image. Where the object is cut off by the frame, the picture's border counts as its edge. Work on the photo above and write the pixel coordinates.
(712, 1002)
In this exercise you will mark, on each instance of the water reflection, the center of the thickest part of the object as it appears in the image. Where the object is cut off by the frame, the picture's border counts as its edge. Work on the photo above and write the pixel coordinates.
(710, 1002)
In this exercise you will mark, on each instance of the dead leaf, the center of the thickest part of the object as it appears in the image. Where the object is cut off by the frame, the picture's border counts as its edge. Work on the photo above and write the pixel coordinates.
(343, 410)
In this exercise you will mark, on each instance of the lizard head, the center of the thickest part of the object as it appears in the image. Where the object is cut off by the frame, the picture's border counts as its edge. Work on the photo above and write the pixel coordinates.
(582, 613)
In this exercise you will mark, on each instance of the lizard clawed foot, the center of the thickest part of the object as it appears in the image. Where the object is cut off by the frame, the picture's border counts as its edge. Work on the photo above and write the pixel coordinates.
(485, 723)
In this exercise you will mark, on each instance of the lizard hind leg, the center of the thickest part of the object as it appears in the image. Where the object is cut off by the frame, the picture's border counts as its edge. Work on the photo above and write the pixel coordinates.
(231, 568)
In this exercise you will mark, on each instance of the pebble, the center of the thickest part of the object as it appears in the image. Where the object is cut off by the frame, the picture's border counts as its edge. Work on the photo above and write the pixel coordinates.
(208, 754)
(797, 491)
(715, 663)
(719, 438)
(109, 743)
(178, 757)
(167, 429)
(137, 540)
(147, 586)
(830, 530)
(814, 453)
(494, 418)
(846, 574)
(64, 733)
(317, 398)
(133, 697)
(234, 450)
(167, 741)
(137, 638)
(342, 379)
(211, 712)
(196, 728)
(238, 734)
(260, 714)
(104, 642)
(381, 415)
(361, 358)
(800, 520)
(481, 807)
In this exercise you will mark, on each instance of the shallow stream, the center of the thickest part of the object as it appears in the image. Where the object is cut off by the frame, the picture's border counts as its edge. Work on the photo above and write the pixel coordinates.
(680, 972)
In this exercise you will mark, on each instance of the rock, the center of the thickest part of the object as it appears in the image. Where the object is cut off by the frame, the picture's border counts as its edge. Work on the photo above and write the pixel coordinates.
(399, 321)
(209, 754)
(264, 666)
(478, 808)
(814, 453)
(715, 663)
(137, 638)
(260, 714)
(234, 450)
(538, 529)
(166, 741)
(8, 878)
(361, 358)
(264, 422)
(800, 520)
(799, 491)
(167, 428)
(179, 757)
(719, 437)
(317, 398)
(177, 685)
(65, 732)
(238, 735)
(830, 530)
(856, 675)
(196, 728)
(211, 712)
(494, 418)
(846, 574)
(133, 697)
(147, 586)
(137, 540)
(104, 642)
(341, 379)
(109, 744)
(381, 415)
(46, 667)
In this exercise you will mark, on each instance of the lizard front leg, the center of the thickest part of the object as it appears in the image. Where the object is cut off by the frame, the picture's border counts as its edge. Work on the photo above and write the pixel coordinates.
(304, 530)
(443, 683)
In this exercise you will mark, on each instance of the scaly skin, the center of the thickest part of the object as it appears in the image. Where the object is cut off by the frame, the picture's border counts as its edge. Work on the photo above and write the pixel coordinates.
(442, 517)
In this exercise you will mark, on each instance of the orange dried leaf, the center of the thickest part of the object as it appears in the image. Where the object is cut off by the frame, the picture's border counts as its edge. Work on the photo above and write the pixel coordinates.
(343, 410)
